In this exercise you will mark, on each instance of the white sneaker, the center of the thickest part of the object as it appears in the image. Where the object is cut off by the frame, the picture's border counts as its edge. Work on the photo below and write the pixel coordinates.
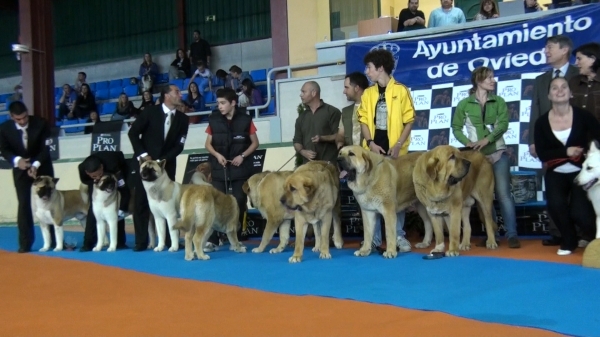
(403, 245)
(210, 247)
(582, 243)
(563, 252)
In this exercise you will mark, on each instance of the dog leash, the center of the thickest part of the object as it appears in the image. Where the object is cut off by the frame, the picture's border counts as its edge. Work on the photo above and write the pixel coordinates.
(294, 156)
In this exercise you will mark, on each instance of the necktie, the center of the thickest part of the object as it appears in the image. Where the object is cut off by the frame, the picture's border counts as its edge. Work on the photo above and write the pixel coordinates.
(24, 137)
(168, 118)
(556, 73)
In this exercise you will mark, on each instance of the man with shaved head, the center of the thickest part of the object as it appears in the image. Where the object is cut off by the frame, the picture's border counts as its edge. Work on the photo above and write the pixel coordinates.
(317, 126)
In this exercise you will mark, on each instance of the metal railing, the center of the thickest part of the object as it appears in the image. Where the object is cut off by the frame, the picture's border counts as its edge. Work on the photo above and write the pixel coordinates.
(288, 69)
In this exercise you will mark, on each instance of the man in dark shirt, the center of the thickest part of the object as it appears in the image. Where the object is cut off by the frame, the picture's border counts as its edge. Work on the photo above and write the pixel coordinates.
(199, 50)
(316, 127)
(411, 18)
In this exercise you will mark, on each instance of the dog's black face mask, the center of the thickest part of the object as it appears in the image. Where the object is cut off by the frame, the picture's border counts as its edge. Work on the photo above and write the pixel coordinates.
(148, 173)
(45, 192)
(343, 165)
(108, 184)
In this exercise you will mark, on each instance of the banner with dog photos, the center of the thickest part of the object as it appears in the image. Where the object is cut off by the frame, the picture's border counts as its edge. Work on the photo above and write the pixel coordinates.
(437, 71)
(258, 160)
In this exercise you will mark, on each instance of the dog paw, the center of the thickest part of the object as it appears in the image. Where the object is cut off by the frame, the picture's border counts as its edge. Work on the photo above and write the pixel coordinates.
(452, 253)
(43, 249)
(362, 253)
(338, 244)
(439, 248)
(58, 249)
(423, 244)
(295, 259)
(276, 250)
(173, 249)
(203, 257)
(464, 246)
(240, 249)
(316, 249)
(491, 244)
(97, 249)
(392, 254)
(258, 250)
(159, 248)
(111, 249)
(151, 246)
(189, 257)
(325, 255)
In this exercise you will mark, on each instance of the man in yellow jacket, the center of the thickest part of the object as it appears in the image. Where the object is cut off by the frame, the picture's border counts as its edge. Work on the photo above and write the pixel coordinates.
(386, 115)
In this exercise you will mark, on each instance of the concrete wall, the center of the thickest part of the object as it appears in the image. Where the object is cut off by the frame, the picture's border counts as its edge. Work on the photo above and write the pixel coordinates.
(247, 55)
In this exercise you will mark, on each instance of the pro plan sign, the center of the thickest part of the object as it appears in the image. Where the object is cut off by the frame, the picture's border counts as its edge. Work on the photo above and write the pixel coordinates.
(110, 141)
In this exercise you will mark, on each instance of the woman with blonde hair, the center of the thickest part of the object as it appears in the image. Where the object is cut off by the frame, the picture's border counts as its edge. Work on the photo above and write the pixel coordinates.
(488, 9)
(124, 110)
(485, 116)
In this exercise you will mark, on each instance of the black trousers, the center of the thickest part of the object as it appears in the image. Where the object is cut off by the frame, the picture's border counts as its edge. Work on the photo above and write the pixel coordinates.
(24, 215)
(568, 205)
(240, 197)
(141, 215)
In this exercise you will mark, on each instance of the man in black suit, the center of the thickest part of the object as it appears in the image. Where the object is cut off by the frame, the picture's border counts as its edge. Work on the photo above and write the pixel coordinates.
(90, 171)
(24, 142)
(158, 133)
(557, 50)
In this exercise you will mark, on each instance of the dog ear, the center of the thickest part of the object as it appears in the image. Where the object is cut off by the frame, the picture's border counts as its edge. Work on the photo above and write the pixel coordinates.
(246, 187)
(368, 162)
(162, 163)
(432, 168)
(309, 187)
(594, 146)
(55, 180)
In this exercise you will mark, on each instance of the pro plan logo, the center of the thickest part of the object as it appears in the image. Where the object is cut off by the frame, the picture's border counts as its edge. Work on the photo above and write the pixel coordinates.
(509, 93)
(511, 136)
(526, 157)
(459, 96)
(421, 100)
(417, 141)
(440, 119)
(526, 112)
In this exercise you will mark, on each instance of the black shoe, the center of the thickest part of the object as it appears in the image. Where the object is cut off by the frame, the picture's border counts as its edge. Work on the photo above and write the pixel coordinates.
(139, 248)
(513, 242)
(84, 249)
(123, 246)
(24, 250)
(553, 241)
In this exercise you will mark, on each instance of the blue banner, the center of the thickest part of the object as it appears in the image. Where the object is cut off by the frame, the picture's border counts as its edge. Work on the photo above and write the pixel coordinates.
(508, 49)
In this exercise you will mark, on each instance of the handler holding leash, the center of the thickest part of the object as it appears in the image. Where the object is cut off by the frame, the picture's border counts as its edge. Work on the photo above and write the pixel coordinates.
(90, 171)
(231, 140)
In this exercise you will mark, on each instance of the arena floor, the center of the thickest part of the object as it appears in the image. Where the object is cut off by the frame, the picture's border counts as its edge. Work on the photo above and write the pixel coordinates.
(524, 292)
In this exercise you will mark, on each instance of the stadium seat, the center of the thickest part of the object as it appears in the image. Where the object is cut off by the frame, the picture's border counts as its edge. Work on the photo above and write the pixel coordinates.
(259, 75)
(92, 86)
(102, 85)
(209, 97)
(271, 109)
(4, 118)
(162, 78)
(102, 94)
(131, 90)
(186, 83)
(115, 84)
(178, 82)
(184, 97)
(126, 81)
(108, 108)
(115, 92)
(263, 89)
(3, 98)
(72, 122)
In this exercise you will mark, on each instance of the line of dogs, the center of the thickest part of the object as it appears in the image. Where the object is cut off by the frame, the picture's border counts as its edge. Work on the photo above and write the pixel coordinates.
(442, 185)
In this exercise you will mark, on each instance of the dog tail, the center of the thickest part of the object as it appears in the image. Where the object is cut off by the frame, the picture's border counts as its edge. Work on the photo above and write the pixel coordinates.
(187, 221)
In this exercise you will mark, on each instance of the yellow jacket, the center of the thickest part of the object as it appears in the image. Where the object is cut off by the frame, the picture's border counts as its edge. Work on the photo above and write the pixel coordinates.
(400, 111)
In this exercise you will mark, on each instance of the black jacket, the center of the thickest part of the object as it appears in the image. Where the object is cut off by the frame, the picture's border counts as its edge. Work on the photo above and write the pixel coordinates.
(146, 136)
(230, 139)
(11, 145)
(113, 162)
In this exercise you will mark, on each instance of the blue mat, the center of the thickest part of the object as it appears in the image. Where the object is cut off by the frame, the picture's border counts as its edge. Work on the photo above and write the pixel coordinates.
(556, 297)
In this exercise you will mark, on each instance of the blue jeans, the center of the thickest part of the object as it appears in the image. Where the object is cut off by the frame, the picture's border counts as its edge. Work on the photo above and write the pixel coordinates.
(504, 196)
(399, 227)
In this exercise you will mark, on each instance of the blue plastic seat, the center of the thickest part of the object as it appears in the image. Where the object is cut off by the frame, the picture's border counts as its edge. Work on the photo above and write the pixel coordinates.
(72, 122)
(4, 118)
(259, 75)
(108, 108)
(102, 85)
(102, 94)
(209, 97)
(131, 90)
(92, 86)
(115, 92)
(178, 82)
(115, 84)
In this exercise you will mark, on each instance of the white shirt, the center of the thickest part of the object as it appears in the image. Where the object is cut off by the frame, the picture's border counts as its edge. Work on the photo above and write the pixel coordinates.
(563, 70)
(36, 163)
(562, 136)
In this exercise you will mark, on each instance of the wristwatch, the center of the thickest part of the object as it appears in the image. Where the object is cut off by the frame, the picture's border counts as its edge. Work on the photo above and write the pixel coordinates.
(242, 155)
(369, 142)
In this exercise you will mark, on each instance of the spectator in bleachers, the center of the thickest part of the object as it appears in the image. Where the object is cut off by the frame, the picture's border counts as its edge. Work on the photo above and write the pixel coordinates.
(199, 50)
(531, 6)
(446, 15)
(411, 18)
(85, 103)
(254, 95)
(194, 99)
(66, 101)
(147, 100)
(223, 77)
(17, 96)
(180, 67)
(79, 81)
(237, 77)
(124, 110)
(94, 118)
(487, 10)
(203, 72)
(585, 87)
(148, 67)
